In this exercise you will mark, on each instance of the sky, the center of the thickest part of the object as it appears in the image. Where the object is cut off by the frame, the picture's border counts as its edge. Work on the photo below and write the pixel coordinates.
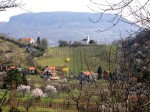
(46, 6)
(33, 6)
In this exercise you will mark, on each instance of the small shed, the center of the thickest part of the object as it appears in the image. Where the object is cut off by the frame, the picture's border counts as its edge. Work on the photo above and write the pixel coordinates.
(87, 73)
(11, 68)
(31, 69)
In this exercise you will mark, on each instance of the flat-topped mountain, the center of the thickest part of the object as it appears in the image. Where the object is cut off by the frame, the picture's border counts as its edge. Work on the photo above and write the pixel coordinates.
(63, 25)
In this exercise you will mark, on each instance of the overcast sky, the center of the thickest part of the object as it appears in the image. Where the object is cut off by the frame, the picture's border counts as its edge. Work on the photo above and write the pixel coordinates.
(47, 6)
(54, 5)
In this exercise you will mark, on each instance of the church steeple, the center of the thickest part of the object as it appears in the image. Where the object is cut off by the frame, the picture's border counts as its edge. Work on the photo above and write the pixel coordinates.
(88, 40)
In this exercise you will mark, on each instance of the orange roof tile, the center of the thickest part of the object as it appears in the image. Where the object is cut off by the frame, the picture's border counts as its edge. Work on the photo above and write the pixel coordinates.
(31, 68)
(87, 73)
(26, 39)
(12, 67)
(52, 67)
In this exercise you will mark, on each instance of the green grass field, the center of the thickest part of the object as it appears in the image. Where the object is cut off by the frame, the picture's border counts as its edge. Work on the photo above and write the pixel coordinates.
(16, 54)
(82, 58)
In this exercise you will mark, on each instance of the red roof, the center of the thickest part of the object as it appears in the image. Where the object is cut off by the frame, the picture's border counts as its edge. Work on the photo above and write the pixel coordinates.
(11, 67)
(52, 68)
(31, 68)
(26, 39)
(87, 73)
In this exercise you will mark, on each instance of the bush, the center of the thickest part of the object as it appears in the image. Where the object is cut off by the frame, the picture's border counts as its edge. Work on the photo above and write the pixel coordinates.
(37, 93)
(37, 53)
(50, 90)
(23, 89)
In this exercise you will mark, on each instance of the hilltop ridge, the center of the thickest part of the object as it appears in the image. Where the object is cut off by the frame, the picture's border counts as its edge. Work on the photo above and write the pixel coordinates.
(63, 25)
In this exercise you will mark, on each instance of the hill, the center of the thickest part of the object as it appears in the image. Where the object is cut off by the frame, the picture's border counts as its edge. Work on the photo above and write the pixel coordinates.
(63, 25)
(12, 54)
(15, 52)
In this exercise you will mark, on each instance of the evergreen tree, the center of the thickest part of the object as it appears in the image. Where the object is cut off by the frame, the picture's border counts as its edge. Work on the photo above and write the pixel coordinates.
(99, 71)
(38, 41)
(15, 77)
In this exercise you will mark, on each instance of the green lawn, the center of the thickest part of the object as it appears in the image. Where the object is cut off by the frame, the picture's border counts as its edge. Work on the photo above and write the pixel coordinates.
(52, 61)
(82, 58)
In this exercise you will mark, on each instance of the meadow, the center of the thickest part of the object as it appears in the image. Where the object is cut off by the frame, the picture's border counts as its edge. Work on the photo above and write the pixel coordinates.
(83, 58)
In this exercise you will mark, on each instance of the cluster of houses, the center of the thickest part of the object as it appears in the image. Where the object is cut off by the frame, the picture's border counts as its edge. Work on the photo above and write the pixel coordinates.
(48, 71)
(84, 41)
(5, 68)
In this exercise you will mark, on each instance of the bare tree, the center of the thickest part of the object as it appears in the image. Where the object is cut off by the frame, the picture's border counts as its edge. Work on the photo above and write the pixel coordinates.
(137, 10)
(5, 4)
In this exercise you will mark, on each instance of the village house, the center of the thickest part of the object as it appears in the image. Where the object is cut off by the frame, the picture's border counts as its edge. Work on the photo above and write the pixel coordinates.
(31, 70)
(11, 67)
(50, 71)
(28, 40)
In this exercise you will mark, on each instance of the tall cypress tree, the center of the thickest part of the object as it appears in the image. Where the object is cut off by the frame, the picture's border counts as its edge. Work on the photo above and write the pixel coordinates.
(99, 71)
(38, 41)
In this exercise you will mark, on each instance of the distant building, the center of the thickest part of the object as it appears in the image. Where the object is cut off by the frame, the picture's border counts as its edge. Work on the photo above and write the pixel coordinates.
(31, 70)
(28, 40)
(85, 41)
(30, 48)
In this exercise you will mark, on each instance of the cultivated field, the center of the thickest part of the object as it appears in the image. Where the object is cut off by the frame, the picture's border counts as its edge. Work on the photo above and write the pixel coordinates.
(82, 58)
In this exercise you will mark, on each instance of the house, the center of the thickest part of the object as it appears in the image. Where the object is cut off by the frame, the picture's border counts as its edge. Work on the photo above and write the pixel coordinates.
(85, 41)
(87, 76)
(30, 48)
(28, 40)
(11, 68)
(31, 70)
(87, 73)
(51, 70)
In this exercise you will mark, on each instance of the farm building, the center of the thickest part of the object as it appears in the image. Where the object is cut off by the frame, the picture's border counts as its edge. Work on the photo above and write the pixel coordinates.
(87, 76)
(31, 70)
(11, 68)
(50, 71)
(28, 40)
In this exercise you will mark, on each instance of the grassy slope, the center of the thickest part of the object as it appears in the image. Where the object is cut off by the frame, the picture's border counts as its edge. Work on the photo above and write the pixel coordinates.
(80, 57)
(18, 54)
